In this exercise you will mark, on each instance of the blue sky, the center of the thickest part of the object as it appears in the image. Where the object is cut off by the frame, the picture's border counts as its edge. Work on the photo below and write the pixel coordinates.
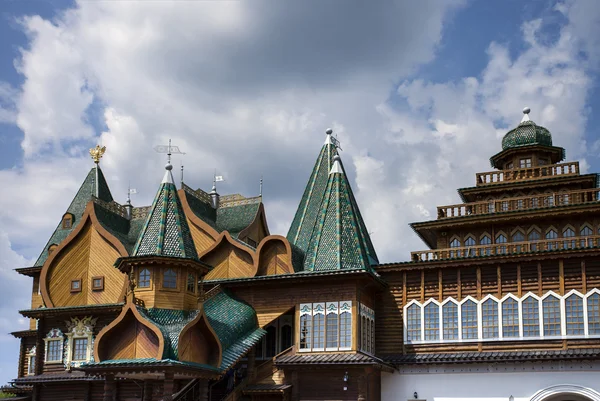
(419, 94)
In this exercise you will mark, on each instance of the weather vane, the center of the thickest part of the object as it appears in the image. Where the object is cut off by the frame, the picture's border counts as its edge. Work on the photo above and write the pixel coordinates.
(97, 153)
(169, 150)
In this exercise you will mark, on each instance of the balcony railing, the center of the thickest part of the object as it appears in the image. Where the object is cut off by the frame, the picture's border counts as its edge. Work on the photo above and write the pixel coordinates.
(530, 202)
(512, 248)
(532, 173)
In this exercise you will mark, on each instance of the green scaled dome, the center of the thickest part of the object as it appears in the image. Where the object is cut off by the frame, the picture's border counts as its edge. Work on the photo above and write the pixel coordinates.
(526, 133)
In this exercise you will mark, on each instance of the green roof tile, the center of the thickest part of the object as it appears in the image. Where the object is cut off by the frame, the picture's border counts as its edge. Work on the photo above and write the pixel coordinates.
(236, 218)
(166, 231)
(339, 240)
(77, 207)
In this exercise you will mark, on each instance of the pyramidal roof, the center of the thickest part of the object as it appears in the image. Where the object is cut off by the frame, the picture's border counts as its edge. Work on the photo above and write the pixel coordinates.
(94, 185)
(166, 231)
(306, 216)
(328, 227)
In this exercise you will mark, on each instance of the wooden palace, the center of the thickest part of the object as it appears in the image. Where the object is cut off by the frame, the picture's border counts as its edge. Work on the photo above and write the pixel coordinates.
(192, 298)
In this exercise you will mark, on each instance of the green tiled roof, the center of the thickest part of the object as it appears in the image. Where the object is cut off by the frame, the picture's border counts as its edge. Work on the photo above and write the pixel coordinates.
(307, 213)
(77, 207)
(166, 231)
(233, 321)
(236, 218)
(339, 240)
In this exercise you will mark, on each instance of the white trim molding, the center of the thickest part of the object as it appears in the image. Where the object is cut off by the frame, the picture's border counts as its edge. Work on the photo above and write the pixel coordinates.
(565, 389)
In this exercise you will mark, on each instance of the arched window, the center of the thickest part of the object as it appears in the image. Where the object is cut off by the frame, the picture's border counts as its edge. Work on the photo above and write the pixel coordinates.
(345, 330)
(510, 318)
(450, 321)
(593, 310)
(305, 331)
(552, 235)
(67, 221)
(532, 237)
(501, 239)
(551, 312)
(531, 317)
(518, 236)
(169, 279)
(144, 278)
(568, 233)
(469, 242)
(413, 323)
(485, 240)
(586, 231)
(489, 319)
(469, 320)
(455, 243)
(319, 330)
(332, 330)
(574, 315)
(432, 322)
(271, 341)
(286, 337)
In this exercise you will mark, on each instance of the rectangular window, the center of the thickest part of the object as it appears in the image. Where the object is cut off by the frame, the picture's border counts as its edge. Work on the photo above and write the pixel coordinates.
(326, 326)
(76, 285)
(191, 283)
(80, 349)
(306, 331)
(169, 279)
(345, 329)
(319, 331)
(525, 163)
(144, 278)
(98, 283)
(54, 352)
(31, 367)
(332, 330)
(450, 321)
(551, 311)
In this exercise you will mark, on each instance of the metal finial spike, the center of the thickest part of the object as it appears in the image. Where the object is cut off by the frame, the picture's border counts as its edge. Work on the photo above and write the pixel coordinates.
(526, 112)
(182, 176)
(261, 185)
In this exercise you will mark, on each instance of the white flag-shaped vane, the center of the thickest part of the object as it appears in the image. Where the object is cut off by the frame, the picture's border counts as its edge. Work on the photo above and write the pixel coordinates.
(133, 191)
(219, 178)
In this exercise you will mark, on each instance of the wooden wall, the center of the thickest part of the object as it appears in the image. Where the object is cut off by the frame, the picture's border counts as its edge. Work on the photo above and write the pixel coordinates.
(477, 282)
(274, 259)
(229, 261)
(156, 296)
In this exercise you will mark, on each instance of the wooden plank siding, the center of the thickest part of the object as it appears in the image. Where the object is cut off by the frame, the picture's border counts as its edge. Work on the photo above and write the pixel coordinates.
(228, 261)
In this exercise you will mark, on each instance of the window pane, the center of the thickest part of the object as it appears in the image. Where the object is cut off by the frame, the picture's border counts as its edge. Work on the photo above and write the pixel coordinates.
(54, 351)
(455, 243)
(550, 235)
(332, 330)
(489, 316)
(534, 236)
(432, 322)
(551, 310)
(485, 240)
(170, 279)
(574, 315)
(531, 317)
(345, 330)
(31, 368)
(144, 280)
(586, 232)
(318, 330)
(305, 331)
(510, 318)
(593, 307)
(501, 239)
(80, 349)
(450, 321)
(413, 323)
(469, 320)
(191, 283)
(568, 233)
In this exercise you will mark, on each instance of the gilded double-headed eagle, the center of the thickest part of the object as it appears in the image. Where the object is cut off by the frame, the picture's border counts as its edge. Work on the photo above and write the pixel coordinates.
(97, 153)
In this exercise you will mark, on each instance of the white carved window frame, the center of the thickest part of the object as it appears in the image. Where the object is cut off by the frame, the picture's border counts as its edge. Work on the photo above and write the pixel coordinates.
(311, 310)
(54, 335)
(30, 366)
(80, 329)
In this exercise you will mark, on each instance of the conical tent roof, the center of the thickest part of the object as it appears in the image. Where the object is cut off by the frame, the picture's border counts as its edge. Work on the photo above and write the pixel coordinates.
(166, 231)
(307, 213)
(339, 239)
(77, 207)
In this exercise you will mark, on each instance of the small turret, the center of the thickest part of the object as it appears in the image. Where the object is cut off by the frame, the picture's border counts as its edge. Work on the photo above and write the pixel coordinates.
(214, 196)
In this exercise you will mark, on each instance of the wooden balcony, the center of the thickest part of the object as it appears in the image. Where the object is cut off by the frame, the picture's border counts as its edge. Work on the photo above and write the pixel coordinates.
(513, 248)
(522, 203)
(523, 174)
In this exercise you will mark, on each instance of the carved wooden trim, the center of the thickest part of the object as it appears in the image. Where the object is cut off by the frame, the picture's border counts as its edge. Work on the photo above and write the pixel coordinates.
(583, 277)
(198, 222)
(561, 276)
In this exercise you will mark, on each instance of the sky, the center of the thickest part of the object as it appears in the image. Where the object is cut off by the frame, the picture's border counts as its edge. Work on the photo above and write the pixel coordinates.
(419, 95)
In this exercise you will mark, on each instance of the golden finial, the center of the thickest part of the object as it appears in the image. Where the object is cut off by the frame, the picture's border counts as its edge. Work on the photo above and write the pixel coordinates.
(97, 153)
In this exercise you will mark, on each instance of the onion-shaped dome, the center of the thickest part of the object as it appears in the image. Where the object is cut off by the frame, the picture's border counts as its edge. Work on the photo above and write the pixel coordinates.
(526, 133)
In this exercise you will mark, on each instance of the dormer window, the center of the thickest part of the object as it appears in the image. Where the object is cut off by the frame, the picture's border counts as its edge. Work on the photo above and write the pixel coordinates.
(67, 221)
(76, 285)
(51, 248)
(144, 279)
(169, 279)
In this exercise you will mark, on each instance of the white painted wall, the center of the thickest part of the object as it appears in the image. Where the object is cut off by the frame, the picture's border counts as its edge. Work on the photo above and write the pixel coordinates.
(483, 386)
